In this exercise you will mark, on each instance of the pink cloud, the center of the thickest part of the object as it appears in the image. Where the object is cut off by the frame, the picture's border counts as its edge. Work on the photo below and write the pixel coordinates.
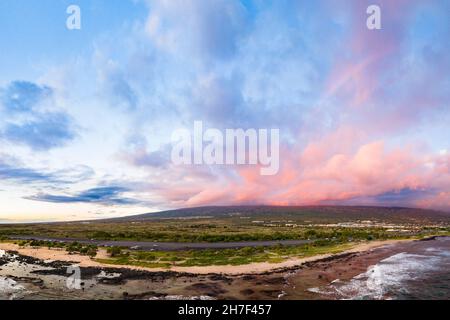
(327, 171)
(372, 93)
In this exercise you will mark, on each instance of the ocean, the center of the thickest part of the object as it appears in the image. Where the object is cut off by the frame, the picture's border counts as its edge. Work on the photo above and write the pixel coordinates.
(420, 272)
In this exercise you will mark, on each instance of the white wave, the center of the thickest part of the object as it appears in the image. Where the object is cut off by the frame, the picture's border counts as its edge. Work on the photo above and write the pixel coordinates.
(388, 275)
(335, 281)
(319, 291)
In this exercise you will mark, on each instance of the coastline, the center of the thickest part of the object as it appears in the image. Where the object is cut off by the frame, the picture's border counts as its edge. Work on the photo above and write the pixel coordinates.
(317, 277)
(252, 268)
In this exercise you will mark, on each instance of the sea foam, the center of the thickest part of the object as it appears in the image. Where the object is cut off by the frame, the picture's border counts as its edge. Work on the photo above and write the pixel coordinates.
(382, 279)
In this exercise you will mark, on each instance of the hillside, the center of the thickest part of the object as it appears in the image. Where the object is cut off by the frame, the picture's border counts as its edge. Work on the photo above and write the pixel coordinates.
(307, 213)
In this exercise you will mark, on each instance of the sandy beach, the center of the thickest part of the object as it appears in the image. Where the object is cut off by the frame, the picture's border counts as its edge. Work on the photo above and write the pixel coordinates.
(253, 268)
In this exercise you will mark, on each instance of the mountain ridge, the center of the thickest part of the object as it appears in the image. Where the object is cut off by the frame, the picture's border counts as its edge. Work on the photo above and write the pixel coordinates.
(323, 212)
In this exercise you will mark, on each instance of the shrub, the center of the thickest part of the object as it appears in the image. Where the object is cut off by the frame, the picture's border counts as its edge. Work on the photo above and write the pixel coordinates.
(114, 251)
(101, 235)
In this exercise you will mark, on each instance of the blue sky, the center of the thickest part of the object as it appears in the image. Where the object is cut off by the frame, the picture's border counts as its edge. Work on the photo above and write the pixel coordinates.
(36, 35)
(87, 115)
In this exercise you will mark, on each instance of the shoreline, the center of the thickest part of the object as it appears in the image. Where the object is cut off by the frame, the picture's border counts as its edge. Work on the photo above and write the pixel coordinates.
(46, 254)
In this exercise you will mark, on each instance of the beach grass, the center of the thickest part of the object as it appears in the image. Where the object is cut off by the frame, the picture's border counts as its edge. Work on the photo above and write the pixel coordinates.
(242, 256)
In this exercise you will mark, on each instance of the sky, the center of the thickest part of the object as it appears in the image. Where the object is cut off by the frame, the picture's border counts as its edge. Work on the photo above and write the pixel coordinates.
(86, 116)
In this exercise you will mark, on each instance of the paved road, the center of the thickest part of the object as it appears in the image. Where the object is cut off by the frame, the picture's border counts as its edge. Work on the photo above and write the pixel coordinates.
(169, 246)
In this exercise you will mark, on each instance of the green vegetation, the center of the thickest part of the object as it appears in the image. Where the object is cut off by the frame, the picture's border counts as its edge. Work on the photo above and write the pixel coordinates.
(228, 229)
(274, 254)
(115, 251)
(87, 250)
(73, 247)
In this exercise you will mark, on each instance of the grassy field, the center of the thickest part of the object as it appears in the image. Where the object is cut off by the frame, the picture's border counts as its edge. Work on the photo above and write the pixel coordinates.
(221, 257)
(166, 259)
(226, 229)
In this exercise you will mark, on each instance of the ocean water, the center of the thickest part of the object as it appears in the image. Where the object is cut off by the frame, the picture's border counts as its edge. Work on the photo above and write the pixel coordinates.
(421, 272)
